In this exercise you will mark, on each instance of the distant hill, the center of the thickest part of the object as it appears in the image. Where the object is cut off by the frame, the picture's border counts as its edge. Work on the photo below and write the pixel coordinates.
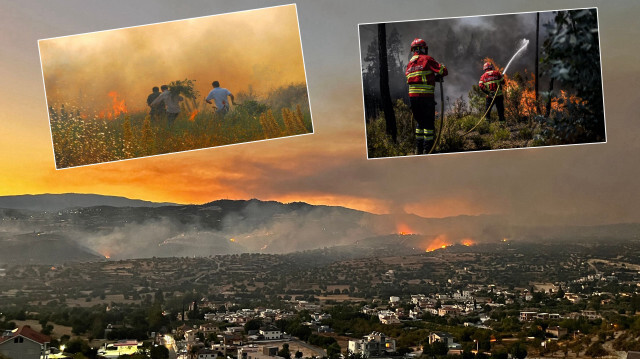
(56, 202)
(121, 228)
(42, 248)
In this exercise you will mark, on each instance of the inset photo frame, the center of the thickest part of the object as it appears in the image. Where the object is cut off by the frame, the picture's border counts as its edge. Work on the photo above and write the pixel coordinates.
(175, 86)
(482, 83)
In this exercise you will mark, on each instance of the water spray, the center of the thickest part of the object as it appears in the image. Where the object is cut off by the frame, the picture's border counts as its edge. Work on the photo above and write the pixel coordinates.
(522, 46)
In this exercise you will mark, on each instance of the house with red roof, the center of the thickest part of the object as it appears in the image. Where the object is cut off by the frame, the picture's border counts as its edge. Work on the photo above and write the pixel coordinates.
(24, 343)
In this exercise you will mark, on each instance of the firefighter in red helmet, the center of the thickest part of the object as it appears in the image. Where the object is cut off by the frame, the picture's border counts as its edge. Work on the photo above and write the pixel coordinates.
(422, 73)
(491, 83)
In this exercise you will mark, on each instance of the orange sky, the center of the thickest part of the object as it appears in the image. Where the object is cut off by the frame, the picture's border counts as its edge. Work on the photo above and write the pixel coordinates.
(587, 184)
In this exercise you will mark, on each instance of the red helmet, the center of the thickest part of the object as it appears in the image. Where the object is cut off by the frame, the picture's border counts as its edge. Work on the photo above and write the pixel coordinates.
(487, 66)
(418, 43)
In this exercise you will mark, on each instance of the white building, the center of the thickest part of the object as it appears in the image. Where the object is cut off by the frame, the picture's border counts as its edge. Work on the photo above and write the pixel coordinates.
(271, 333)
(373, 345)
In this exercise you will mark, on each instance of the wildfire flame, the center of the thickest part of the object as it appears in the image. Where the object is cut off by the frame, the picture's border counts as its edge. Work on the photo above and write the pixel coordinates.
(232, 240)
(527, 105)
(403, 229)
(192, 117)
(439, 242)
(118, 107)
(468, 242)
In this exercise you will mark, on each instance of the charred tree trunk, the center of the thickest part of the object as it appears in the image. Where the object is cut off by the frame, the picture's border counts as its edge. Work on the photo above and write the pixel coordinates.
(385, 95)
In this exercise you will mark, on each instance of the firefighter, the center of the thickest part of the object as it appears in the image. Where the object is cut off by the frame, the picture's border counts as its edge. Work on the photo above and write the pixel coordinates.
(422, 73)
(491, 83)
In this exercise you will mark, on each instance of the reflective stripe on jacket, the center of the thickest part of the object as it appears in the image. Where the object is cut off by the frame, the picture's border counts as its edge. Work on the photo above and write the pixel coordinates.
(490, 80)
(421, 75)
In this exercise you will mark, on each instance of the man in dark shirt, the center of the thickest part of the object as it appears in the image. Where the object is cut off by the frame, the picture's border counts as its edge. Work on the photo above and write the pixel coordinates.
(158, 110)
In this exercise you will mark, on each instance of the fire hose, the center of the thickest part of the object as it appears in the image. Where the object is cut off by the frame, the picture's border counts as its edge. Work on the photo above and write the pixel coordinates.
(486, 112)
(441, 118)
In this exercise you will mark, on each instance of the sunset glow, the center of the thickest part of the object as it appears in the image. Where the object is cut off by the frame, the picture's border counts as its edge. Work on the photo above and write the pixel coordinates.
(328, 167)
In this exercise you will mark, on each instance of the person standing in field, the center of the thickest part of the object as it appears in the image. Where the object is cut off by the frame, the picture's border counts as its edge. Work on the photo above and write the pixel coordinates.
(157, 111)
(171, 100)
(219, 96)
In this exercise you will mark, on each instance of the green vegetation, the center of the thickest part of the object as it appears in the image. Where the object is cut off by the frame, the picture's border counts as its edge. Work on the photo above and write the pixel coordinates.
(572, 57)
(80, 140)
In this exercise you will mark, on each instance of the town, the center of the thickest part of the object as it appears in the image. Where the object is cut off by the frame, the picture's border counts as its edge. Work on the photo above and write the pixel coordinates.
(502, 300)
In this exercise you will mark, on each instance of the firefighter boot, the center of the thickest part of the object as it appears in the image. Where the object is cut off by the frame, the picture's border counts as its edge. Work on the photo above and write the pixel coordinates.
(428, 140)
(419, 141)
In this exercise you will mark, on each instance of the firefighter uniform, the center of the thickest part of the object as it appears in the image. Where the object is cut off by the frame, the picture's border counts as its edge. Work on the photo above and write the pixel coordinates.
(421, 75)
(490, 82)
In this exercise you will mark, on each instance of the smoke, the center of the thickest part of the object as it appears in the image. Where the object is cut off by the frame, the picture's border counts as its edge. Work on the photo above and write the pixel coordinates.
(255, 227)
(461, 44)
(260, 48)
(232, 227)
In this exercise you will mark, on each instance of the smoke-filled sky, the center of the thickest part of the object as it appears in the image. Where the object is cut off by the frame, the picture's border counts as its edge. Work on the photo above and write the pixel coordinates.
(259, 48)
(584, 184)
(462, 44)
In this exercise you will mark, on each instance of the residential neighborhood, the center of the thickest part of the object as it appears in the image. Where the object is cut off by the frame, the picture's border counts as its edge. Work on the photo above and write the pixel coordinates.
(500, 301)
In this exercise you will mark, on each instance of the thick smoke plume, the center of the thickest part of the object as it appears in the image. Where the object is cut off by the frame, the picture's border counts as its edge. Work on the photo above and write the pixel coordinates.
(461, 44)
(259, 48)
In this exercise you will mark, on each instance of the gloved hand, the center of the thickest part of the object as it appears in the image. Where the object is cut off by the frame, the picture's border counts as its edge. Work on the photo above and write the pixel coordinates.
(438, 78)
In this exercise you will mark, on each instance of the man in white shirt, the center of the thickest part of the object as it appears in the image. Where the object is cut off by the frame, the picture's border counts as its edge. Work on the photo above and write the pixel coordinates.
(171, 101)
(219, 95)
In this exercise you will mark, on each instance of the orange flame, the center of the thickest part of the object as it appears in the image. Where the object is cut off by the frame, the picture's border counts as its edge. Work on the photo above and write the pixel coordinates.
(192, 117)
(441, 241)
(232, 239)
(468, 242)
(527, 105)
(118, 105)
(403, 229)
(492, 62)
